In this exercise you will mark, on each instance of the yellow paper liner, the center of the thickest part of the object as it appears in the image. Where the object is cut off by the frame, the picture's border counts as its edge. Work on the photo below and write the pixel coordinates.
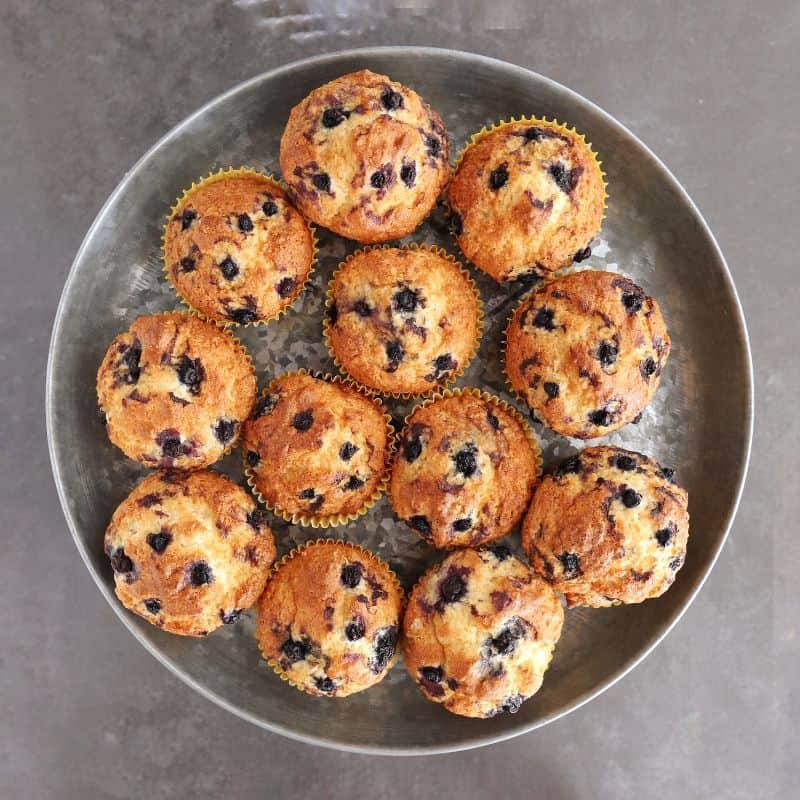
(554, 124)
(486, 397)
(190, 312)
(236, 172)
(329, 520)
(369, 556)
(452, 376)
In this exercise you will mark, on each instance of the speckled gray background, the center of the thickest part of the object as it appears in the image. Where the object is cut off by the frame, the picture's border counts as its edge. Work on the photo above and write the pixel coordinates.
(86, 87)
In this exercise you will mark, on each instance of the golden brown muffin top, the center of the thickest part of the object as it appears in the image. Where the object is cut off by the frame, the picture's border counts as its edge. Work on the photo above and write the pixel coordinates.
(585, 351)
(526, 196)
(174, 390)
(329, 619)
(464, 470)
(190, 551)
(365, 156)
(479, 632)
(315, 448)
(402, 320)
(609, 526)
(236, 249)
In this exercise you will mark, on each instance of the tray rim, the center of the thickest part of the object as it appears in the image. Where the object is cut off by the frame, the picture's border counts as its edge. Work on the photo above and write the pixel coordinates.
(477, 740)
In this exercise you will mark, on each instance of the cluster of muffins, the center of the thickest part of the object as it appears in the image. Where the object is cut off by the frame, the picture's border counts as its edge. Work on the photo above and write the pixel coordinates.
(368, 159)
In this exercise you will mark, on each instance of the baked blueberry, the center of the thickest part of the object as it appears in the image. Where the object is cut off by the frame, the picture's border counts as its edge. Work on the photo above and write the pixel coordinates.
(498, 177)
(303, 420)
(245, 223)
(571, 564)
(466, 462)
(153, 605)
(228, 268)
(631, 498)
(347, 451)
(452, 588)
(544, 319)
(420, 524)
(188, 216)
(392, 100)
(270, 208)
(332, 117)
(285, 287)
(322, 181)
(351, 574)
(408, 174)
(159, 541)
(225, 430)
(295, 649)
(200, 573)
(191, 373)
(405, 300)
(551, 389)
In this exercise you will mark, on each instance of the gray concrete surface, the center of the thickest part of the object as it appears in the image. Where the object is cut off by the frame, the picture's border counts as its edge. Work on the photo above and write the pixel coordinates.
(86, 87)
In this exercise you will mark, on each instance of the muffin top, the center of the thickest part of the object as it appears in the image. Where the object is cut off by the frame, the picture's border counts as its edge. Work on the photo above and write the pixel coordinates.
(479, 632)
(402, 320)
(236, 249)
(464, 470)
(316, 449)
(527, 196)
(174, 390)
(329, 619)
(608, 527)
(190, 551)
(365, 156)
(585, 351)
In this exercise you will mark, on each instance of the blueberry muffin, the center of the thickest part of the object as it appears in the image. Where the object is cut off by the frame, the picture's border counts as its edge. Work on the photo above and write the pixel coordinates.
(585, 351)
(464, 470)
(236, 249)
(607, 527)
(190, 551)
(365, 156)
(526, 196)
(479, 632)
(329, 618)
(174, 390)
(316, 449)
(402, 320)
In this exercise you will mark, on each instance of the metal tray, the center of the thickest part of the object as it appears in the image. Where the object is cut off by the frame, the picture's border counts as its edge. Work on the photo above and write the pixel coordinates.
(700, 420)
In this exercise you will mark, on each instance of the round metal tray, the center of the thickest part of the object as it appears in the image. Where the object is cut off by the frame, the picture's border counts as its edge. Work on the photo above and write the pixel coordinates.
(699, 422)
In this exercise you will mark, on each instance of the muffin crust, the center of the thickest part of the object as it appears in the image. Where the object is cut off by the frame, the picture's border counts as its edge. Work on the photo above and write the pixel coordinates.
(329, 619)
(236, 249)
(316, 450)
(479, 632)
(585, 351)
(402, 320)
(174, 390)
(526, 196)
(365, 156)
(190, 551)
(464, 470)
(609, 526)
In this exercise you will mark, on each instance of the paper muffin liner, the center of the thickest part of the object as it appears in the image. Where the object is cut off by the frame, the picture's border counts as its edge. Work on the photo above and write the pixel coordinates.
(329, 520)
(368, 555)
(190, 312)
(452, 376)
(498, 402)
(505, 123)
(236, 172)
